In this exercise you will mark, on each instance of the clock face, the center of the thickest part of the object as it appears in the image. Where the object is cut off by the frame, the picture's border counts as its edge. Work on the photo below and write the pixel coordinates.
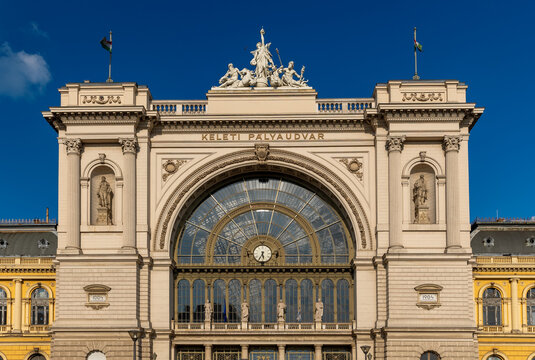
(262, 253)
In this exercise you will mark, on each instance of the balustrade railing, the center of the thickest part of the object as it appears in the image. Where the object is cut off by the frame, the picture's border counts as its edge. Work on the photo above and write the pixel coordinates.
(344, 106)
(178, 326)
(172, 107)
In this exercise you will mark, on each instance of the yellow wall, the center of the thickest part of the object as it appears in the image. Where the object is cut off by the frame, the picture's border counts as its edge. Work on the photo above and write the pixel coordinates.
(500, 272)
(33, 273)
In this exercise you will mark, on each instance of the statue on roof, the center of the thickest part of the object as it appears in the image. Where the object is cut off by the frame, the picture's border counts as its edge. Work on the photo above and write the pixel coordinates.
(288, 77)
(230, 78)
(262, 59)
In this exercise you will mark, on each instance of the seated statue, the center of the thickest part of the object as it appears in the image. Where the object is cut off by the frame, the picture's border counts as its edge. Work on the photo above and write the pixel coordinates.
(288, 77)
(230, 78)
(274, 77)
(247, 78)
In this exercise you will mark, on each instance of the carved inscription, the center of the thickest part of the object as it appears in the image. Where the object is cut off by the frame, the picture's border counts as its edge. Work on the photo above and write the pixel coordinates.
(263, 136)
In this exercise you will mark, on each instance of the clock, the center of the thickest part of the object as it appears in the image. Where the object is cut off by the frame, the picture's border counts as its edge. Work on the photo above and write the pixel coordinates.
(262, 253)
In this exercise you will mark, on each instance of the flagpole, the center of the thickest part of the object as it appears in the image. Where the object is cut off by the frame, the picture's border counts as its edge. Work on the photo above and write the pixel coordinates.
(109, 68)
(415, 77)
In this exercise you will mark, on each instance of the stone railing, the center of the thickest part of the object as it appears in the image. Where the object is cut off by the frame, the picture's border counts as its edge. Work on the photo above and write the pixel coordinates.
(494, 329)
(344, 106)
(180, 107)
(5, 328)
(25, 261)
(500, 260)
(179, 326)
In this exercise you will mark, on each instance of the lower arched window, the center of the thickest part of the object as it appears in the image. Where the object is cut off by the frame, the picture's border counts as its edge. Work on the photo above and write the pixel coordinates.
(183, 301)
(306, 314)
(37, 357)
(255, 301)
(342, 300)
(429, 355)
(39, 307)
(220, 307)
(494, 357)
(270, 301)
(291, 301)
(327, 298)
(198, 300)
(530, 303)
(234, 301)
(492, 307)
(3, 307)
(96, 355)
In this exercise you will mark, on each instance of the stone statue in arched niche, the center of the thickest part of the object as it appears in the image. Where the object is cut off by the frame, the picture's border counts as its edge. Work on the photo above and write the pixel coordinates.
(422, 192)
(102, 193)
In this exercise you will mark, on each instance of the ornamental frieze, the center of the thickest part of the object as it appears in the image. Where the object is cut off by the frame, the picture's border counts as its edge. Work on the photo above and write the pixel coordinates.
(170, 167)
(101, 99)
(354, 166)
(291, 136)
(422, 96)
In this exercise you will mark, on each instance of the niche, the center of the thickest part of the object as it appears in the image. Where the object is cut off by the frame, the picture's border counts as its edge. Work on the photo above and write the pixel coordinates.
(102, 196)
(423, 195)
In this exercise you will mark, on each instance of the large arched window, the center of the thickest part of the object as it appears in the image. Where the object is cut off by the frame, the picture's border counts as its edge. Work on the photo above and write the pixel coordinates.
(37, 357)
(492, 307)
(256, 241)
(530, 303)
(494, 357)
(429, 355)
(3, 307)
(96, 355)
(39, 305)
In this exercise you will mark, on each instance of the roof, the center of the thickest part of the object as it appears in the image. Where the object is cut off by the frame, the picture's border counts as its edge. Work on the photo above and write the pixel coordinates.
(31, 239)
(499, 237)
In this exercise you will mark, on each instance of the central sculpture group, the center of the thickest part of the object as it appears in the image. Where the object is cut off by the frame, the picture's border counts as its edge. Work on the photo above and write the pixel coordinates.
(266, 72)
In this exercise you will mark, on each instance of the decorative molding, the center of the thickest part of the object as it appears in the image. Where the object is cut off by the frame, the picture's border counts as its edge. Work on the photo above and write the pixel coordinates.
(276, 155)
(395, 143)
(97, 296)
(452, 143)
(170, 167)
(428, 296)
(101, 99)
(422, 96)
(129, 145)
(423, 155)
(354, 166)
(73, 146)
(261, 151)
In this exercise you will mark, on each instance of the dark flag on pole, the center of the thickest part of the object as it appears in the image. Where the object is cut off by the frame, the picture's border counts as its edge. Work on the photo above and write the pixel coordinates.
(107, 46)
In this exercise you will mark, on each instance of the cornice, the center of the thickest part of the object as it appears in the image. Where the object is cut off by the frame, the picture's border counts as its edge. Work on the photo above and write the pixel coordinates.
(504, 268)
(33, 269)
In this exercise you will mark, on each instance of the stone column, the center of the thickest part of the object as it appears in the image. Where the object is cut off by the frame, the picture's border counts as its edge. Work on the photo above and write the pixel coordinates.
(129, 200)
(74, 148)
(244, 352)
(354, 351)
(317, 352)
(515, 305)
(208, 352)
(451, 147)
(17, 320)
(394, 146)
(282, 352)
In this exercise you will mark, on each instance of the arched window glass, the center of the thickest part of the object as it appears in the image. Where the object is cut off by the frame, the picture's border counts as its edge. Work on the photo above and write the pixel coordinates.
(3, 307)
(183, 301)
(494, 357)
(530, 303)
(39, 307)
(492, 307)
(220, 305)
(96, 355)
(291, 300)
(429, 355)
(327, 298)
(270, 301)
(198, 301)
(37, 357)
(255, 301)
(342, 300)
(307, 301)
(234, 301)
(273, 208)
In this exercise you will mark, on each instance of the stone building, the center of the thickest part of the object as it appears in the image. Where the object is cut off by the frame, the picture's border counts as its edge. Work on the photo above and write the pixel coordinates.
(27, 288)
(504, 288)
(263, 222)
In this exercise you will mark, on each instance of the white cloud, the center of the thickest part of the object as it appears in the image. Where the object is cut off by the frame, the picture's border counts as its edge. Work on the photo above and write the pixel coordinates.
(21, 73)
(34, 28)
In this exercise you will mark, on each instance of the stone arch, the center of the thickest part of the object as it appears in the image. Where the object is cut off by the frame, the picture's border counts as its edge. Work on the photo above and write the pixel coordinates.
(492, 285)
(526, 289)
(183, 197)
(418, 160)
(32, 353)
(495, 352)
(6, 289)
(40, 286)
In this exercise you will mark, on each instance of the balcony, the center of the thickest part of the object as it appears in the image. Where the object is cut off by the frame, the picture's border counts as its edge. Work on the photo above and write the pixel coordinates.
(215, 327)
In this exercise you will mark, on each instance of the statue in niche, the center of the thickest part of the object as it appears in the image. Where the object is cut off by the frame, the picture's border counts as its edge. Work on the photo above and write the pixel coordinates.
(281, 311)
(318, 312)
(288, 77)
(244, 312)
(262, 59)
(419, 198)
(207, 311)
(104, 209)
(230, 78)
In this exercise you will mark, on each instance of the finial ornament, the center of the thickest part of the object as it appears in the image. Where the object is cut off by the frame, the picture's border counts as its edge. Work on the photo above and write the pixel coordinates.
(265, 74)
(128, 145)
(395, 143)
(452, 143)
(73, 146)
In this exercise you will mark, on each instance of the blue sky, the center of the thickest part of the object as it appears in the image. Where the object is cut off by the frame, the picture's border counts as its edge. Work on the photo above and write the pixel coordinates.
(180, 49)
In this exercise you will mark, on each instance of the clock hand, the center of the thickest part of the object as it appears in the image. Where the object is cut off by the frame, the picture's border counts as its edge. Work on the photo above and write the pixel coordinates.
(261, 257)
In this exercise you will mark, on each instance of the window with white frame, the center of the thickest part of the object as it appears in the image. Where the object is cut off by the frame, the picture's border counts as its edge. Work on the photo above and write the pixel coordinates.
(492, 307)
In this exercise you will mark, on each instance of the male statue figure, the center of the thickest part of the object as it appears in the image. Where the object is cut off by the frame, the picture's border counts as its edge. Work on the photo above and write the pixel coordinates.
(104, 195)
(207, 311)
(230, 78)
(288, 77)
(281, 311)
(419, 192)
(262, 59)
(244, 312)
(318, 313)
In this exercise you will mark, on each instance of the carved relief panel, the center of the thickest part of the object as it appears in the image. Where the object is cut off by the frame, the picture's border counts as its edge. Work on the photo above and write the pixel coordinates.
(102, 196)
(423, 195)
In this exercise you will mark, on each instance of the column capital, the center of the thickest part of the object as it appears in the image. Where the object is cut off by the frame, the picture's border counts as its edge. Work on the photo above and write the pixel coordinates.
(513, 279)
(73, 146)
(17, 280)
(281, 346)
(129, 145)
(395, 143)
(452, 143)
